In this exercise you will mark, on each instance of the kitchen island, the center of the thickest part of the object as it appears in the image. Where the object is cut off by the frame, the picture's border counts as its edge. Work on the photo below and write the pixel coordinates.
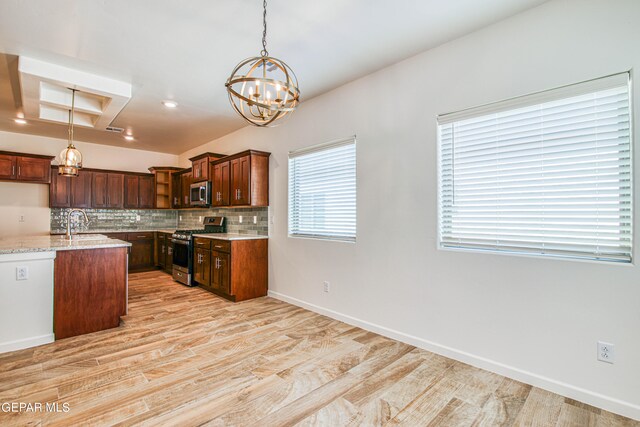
(53, 288)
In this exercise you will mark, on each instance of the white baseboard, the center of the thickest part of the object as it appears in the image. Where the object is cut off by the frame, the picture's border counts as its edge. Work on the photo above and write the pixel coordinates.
(607, 403)
(26, 343)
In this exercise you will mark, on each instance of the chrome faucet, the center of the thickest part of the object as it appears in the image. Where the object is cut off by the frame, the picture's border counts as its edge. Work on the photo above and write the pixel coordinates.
(72, 211)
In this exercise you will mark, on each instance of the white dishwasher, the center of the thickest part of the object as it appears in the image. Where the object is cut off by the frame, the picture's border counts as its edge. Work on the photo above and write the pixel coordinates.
(26, 300)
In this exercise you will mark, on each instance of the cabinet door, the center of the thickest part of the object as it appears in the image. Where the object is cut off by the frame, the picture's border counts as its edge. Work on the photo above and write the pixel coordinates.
(99, 190)
(240, 181)
(141, 255)
(221, 271)
(220, 190)
(34, 169)
(146, 192)
(176, 191)
(161, 250)
(81, 190)
(202, 266)
(7, 166)
(115, 190)
(186, 179)
(168, 263)
(131, 191)
(60, 191)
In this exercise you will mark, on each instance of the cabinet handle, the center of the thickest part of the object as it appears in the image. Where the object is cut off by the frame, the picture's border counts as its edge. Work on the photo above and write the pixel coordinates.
(239, 194)
(13, 170)
(161, 249)
(18, 170)
(218, 246)
(170, 251)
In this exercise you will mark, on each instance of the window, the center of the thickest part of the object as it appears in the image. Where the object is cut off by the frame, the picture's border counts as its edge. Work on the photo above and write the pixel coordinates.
(548, 173)
(322, 191)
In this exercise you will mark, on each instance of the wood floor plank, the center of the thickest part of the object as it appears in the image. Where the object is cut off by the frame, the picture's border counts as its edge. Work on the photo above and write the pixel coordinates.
(183, 357)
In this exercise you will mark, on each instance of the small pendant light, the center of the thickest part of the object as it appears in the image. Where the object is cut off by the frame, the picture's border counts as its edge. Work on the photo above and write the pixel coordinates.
(70, 159)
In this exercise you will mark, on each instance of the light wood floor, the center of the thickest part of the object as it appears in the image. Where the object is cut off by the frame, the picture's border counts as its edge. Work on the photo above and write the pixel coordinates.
(186, 357)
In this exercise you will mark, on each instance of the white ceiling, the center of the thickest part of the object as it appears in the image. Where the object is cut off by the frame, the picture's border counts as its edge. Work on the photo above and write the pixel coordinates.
(185, 50)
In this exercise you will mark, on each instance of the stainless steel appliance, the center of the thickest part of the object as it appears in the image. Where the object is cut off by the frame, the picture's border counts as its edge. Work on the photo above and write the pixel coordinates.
(182, 243)
(200, 194)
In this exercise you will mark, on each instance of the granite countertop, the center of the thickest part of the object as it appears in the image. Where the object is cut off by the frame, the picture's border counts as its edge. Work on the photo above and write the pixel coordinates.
(142, 230)
(231, 236)
(25, 244)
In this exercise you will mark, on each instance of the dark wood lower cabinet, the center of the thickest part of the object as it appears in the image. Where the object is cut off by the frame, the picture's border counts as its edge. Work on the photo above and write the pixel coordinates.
(141, 251)
(202, 266)
(90, 290)
(164, 251)
(220, 272)
(238, 269)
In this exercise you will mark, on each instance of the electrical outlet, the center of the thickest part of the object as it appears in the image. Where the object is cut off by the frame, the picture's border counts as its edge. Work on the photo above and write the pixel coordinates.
(199, 219)
(272, 219)
(327, 286)
(240, 219)
(180, 217)
(21, 219)
(22, 273)
(255, 219)
(606, 352)
(138, 218)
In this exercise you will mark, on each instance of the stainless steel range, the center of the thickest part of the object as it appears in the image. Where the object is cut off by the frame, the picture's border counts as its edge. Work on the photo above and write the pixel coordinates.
(182, 241)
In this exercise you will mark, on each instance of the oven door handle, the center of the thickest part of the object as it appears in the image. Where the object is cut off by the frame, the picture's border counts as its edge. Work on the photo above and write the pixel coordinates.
(180, 242)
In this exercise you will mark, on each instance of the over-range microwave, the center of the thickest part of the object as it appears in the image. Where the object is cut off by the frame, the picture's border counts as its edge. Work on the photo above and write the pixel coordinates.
(200, 194)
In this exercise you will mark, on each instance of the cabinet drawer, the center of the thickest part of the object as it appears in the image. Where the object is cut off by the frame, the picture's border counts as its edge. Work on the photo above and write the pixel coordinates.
(146, 235)
(221, 245)
(202, 242)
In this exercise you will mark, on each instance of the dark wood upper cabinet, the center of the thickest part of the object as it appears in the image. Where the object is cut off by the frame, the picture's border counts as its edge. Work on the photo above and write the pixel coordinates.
(99, 190)
(138, 191)
(200, 166)
(60, 191)
(25, 167)
(250, 179)
(81, 189)
(34, 169)
(240, 181)
(220, 184)
(176, 190)
(131, 191)
(107, 190)
(146, 193)
(115, 190)
(186, 180)
(7, 166)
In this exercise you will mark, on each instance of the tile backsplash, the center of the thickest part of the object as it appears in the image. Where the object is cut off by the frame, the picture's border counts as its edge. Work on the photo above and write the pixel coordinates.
(103, 220)
(114, 220)
(193, 219)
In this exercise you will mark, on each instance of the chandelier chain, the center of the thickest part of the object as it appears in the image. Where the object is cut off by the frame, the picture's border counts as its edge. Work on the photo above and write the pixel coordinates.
(264, 30)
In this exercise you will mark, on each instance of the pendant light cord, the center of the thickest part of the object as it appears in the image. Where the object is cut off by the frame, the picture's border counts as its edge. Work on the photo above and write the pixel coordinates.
(264, 31)
(73, 102)
(73, 105)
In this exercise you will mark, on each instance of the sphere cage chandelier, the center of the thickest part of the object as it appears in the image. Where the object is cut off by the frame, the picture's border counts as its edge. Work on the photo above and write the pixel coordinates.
(70, 159)
(263, 89)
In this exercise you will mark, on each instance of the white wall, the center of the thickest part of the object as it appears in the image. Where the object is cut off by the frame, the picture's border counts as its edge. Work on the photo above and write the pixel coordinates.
(26, 306)
(534, 319)
(31, 201)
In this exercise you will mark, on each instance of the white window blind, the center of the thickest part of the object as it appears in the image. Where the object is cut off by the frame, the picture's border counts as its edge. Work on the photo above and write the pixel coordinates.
(548, 173)
(322, 191)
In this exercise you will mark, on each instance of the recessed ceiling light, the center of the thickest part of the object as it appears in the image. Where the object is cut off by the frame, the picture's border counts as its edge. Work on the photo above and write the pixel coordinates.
(169, 104)
(20, 121)
(129, 137)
